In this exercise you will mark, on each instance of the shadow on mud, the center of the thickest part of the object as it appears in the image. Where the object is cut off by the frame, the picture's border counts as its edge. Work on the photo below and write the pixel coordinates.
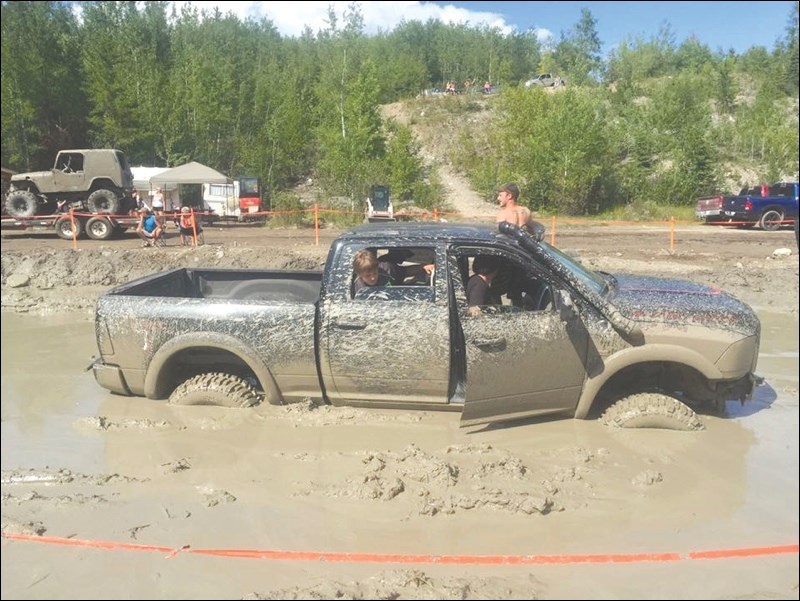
(763, 398)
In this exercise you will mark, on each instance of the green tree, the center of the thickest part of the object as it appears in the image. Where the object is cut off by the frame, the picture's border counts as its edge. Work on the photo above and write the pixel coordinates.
(404, 165)
(44, 107)
(554, 145)
(578, 52)
(125, 57)
(349, 129)
(788, 55)
(726, 88)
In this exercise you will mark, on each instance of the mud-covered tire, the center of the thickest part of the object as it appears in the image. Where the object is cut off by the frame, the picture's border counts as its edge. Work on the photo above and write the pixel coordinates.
(20, 203)
(99, 228)
(223, 390)
(651, 410)
(103, 201)
(771, 220)
(64, 228)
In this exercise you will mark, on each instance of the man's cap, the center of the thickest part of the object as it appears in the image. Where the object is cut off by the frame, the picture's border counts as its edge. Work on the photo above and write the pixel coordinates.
(511, 188)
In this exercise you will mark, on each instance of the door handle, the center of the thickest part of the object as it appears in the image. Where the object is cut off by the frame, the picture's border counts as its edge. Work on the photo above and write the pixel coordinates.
(351, 325)
(491, 344)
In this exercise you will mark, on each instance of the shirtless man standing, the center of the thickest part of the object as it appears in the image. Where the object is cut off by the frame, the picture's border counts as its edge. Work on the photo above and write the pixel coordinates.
(510, 211)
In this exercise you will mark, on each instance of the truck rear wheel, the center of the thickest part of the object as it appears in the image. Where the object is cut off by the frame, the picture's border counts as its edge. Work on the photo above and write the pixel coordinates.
(771, 220)
(651, 410)
(20, 203)
(103, 201)
(99, 228)
(223, 390)
(64, 228)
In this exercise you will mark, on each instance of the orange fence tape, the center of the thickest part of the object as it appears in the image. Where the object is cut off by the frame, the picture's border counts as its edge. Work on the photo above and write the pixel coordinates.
(595, 558)
(434, 215)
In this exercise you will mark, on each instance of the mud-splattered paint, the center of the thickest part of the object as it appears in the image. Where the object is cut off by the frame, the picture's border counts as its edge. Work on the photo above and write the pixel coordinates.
(416, 345)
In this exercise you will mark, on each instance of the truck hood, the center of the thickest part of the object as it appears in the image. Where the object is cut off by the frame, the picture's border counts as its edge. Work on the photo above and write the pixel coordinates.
(680, 302)
(21, 177)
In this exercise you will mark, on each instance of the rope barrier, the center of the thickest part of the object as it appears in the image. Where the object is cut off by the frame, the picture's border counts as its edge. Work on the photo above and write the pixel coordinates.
(388, 558)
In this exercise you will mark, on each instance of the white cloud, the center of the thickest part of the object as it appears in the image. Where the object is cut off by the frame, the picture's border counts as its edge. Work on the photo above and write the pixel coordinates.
(290, 18)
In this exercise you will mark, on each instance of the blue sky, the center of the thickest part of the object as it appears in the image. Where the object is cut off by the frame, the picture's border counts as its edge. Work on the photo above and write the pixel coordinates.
(719, 25)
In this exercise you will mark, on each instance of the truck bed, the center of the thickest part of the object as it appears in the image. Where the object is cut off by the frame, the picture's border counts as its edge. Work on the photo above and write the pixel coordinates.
(228, 284)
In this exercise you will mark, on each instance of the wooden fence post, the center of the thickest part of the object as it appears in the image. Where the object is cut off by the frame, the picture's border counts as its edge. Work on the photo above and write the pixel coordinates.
(316, 224)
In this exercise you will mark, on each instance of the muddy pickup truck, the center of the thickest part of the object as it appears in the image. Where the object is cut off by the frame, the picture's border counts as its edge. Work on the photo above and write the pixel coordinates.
(637, 351)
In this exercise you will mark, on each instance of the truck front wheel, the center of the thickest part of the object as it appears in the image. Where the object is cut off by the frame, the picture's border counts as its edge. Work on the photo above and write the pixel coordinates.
(651, 410)
(103, 201)
(223, 390)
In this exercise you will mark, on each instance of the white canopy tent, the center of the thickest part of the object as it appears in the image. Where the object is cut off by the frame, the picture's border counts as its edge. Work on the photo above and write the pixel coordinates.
(142, 175)
(190, 173)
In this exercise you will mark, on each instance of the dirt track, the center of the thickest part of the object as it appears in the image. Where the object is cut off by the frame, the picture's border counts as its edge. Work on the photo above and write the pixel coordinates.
(759, 267)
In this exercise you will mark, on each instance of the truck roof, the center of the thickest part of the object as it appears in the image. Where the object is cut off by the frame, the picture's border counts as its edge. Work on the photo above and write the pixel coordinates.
(428, 231)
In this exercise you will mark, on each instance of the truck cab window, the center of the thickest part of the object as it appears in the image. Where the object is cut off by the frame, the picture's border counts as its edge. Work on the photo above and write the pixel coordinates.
(508, 286)
(393, 268)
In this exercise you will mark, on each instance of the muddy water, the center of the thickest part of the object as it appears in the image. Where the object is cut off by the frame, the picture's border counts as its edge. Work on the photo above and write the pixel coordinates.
(45, 389)
(326, 479)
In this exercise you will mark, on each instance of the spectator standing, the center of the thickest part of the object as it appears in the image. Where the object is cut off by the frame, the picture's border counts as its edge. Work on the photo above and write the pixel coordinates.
(158, 202)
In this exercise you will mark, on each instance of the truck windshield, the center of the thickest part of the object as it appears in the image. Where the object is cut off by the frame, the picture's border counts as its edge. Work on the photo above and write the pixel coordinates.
(594, 281)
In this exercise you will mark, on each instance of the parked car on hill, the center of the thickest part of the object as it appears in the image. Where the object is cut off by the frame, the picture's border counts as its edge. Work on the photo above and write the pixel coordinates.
(545, 80)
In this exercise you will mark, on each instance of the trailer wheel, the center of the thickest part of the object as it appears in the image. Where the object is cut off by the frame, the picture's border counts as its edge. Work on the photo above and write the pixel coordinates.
(651, 410)
(99, 228)
(223, 390)
(103, 201)
(64, 228)
(20, 203)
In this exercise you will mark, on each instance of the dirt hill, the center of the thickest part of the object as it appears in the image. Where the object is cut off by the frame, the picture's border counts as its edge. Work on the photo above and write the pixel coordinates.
(437, 130)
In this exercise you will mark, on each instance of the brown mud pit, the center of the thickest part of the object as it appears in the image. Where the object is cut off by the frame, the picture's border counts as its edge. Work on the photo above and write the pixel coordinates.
(81, 464)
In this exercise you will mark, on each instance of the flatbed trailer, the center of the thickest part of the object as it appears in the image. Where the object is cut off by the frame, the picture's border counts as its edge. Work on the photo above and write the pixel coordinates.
(94, 226)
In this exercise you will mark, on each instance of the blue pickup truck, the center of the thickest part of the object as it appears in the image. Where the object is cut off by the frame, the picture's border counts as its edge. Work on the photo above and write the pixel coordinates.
(769, 207)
